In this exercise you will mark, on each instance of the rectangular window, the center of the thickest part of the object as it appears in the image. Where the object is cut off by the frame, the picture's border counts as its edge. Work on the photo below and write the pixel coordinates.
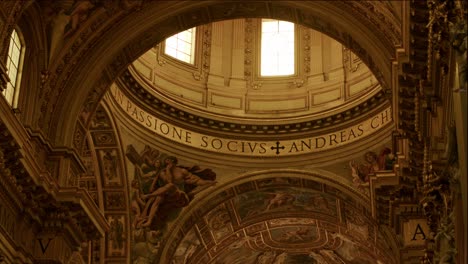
(277, 48)
(13, 68)
(182, 46)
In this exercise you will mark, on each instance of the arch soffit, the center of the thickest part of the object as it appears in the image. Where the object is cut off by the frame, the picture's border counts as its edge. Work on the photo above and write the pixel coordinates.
(35, 43)
(320, 182)
(90, 75)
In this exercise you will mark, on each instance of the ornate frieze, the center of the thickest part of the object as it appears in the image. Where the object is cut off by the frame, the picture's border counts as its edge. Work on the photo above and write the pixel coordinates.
(261, 148)
(183, 117)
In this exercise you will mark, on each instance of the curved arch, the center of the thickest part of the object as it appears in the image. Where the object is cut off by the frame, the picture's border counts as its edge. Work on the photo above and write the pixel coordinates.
(316, 198)
(136, 32)
(34, 71)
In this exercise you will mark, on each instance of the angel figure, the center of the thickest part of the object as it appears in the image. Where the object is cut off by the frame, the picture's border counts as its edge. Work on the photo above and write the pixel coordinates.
(280, 199)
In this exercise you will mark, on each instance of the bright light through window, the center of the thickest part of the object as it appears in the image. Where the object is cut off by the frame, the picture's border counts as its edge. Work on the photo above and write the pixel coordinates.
(182, 46)
(13, 67)
(277, 48)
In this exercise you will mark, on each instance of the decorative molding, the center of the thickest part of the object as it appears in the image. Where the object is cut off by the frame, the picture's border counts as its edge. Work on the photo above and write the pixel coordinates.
(133, 89)
(329, 207)
(217, 11)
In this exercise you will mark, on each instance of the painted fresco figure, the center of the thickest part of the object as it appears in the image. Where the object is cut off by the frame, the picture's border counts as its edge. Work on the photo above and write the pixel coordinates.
(149, 169)
(280, 199)
(176, 187)
(153, 201)
(362, 171)
(116, 233)
(154, 188)
(170, 185)
(110, 165)
(137, 203)
(187, 179)
(372, 163)
(386, 159)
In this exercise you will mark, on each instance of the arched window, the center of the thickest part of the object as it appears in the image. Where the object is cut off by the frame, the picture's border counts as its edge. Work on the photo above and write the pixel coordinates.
(13, 67)
(277, 48)
(182, 46)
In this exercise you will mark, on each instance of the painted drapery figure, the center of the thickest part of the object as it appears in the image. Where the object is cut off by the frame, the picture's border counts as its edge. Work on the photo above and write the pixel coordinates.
(160, 188)
(160, 183)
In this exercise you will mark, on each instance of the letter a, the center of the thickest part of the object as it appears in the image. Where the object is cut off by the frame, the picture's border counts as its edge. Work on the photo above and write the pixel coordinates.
(419, 231)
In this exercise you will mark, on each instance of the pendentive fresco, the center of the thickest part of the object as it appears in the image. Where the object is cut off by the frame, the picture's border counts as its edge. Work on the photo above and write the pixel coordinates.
(160, 189)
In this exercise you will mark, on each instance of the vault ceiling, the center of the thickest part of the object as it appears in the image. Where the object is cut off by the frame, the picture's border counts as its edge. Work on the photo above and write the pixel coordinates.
(271, 217)
(224, 82)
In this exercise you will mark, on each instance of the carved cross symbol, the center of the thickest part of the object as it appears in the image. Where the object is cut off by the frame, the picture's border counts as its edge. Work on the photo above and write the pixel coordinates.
(277, 147)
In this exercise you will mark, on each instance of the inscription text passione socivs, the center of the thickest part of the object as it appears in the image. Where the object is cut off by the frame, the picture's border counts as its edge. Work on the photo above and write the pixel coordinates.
(249, 148)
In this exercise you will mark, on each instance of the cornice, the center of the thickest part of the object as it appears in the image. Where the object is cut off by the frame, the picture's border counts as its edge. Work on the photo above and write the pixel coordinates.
(34, 190)
(134, 90)
(74, 196)
(41, 197)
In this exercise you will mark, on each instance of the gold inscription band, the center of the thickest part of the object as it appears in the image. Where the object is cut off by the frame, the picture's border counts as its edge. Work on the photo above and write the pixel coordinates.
(250, 148)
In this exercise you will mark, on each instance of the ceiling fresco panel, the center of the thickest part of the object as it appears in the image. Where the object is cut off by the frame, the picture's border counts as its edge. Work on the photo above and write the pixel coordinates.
(284, 222)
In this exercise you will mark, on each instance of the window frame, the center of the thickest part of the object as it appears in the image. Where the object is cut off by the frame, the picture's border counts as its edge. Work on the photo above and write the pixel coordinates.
(295, 48)
(19, 70)
(256, 77)
(195, 49)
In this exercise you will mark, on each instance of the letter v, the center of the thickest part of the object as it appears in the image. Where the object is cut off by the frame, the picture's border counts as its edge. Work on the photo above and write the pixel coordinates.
(42, 246)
